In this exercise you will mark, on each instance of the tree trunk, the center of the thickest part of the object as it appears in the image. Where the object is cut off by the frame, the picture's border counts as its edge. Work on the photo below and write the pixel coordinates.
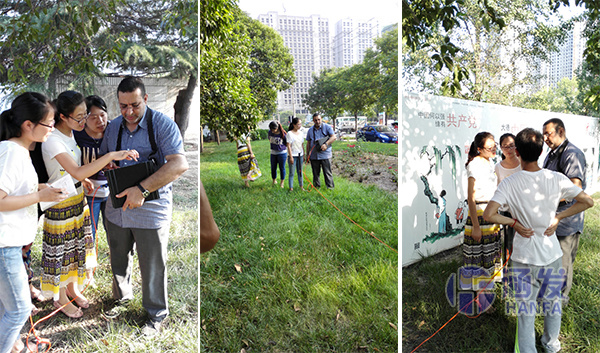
(218, 138)
(201, 139)
(183, 104)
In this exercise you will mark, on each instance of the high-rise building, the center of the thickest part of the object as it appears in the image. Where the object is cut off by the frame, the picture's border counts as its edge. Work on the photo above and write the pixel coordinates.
(567, 60)
(351, 40)
(309, 42)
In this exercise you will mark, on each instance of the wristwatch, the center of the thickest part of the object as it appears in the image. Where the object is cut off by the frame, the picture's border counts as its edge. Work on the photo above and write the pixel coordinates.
(145, 192)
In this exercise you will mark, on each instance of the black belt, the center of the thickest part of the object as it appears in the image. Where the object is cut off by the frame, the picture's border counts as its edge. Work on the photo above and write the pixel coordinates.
(481, 202)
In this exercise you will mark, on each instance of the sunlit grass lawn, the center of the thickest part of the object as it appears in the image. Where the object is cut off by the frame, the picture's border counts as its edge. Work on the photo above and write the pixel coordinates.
(425, 307)
(290, 273)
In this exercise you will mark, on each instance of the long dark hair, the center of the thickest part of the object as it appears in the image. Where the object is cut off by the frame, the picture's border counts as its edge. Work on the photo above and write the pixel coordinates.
(292, 123)
(65, 104)
(478, 142)
(30, 106)
(504, 137)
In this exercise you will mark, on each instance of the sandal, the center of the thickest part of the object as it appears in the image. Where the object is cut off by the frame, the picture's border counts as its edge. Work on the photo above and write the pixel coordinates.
(78, 313)
(36, 294)
(80, 300)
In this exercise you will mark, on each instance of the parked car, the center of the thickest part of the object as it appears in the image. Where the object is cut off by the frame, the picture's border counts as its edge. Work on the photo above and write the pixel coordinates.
(377, 133)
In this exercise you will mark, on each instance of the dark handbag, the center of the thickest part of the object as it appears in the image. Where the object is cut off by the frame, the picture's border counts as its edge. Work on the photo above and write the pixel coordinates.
(319, 142)
(122, 178)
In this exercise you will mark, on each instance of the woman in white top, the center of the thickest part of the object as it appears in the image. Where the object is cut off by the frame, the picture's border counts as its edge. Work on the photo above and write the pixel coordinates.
(509, 165)
(68, 253)
(482, 242)
(30, 119)
(295, 141)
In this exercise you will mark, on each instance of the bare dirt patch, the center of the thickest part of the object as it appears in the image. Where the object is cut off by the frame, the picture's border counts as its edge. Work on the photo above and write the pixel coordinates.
(367, 168)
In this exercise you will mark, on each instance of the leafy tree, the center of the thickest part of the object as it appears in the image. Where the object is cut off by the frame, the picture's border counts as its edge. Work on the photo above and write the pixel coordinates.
(360, 87)
(161, 41)
(270, 63)
(560, 99)
(383, 57)
(326, 94)
(225, 97)
(494, 56)
(43, 39)
(424, 19)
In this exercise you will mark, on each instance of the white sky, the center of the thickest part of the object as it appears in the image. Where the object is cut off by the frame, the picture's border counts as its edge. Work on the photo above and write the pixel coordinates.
(387, 11)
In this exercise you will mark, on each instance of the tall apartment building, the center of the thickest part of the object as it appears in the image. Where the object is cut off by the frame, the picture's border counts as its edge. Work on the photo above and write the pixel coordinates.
(568, 59)
(309, 42)
(352, 38)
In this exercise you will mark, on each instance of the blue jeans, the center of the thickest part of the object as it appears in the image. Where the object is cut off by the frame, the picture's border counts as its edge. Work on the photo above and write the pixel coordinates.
(15, 303)
(278, 160)
(98, 204)
(298, 166)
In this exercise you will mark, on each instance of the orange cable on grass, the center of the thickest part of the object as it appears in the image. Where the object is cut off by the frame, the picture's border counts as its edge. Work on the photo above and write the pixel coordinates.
(40, 340)
(476, 299)
(334, 206)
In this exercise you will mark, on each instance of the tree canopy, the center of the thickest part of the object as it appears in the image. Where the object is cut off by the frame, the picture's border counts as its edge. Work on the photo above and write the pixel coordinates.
(423, 20)
(243, 65)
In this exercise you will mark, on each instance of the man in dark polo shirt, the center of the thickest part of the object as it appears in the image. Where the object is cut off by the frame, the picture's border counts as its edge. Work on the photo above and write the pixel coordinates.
(569, 160)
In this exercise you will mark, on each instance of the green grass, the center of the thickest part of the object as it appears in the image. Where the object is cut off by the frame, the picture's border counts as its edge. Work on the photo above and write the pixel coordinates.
(388, 149)
(309, 280)
(93, 333)
(425, 307)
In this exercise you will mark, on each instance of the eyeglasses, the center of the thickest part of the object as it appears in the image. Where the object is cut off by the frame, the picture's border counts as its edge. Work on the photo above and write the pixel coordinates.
(51, 125)
(83, 117)
(548, 134)
(491, 149)
(508, 147)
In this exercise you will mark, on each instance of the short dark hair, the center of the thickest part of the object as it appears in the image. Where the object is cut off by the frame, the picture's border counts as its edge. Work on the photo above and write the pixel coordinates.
(557, 124)
(95, 101)
(315, 115)
(130, 84)
(529, 143)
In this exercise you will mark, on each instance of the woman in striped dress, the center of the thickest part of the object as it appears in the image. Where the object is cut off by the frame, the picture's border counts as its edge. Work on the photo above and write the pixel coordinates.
(482, 241)
(246, 160)
(68, 254)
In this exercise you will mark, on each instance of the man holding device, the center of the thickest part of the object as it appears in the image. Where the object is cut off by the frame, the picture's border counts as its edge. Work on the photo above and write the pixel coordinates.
(142, 221)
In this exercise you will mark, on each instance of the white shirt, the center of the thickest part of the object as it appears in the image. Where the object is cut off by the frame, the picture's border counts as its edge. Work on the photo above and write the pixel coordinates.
(532, 198)
(485, 178)
(295, 140)
(17, 177)
(56, 144)
(502, 172)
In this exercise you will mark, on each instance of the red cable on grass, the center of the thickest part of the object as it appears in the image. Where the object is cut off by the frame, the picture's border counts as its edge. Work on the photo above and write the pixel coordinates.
(46, 341)
(476, 299)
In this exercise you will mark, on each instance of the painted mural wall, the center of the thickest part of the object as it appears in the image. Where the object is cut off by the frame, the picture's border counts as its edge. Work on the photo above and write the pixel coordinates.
(436, 135)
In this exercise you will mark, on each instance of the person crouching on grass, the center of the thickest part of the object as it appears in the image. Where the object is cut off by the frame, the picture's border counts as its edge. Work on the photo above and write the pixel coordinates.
(532, 195)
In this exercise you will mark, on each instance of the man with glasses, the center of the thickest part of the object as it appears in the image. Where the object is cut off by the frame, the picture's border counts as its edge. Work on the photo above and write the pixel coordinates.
(142, 222)
(569, 160)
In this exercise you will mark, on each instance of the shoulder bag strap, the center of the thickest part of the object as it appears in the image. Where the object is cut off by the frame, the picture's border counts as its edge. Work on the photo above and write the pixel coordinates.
(151, 136)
